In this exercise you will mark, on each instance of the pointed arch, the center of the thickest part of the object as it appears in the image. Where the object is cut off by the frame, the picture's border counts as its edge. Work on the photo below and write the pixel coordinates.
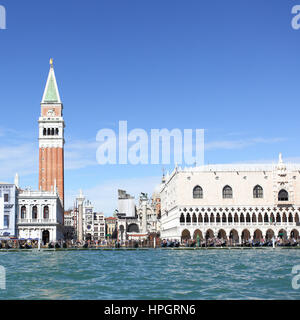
(197, 232)
(245, 235)
(185, 235)
(257, 235)
(222, 234)
(206, 220)
(236, 218)
(295, 234)
(194, 218)
(254, 220)
(224, 218)
(284, 218)
(233, 235)
(209, 234)
(270, 234)
(182, 218)
(200, 219)
(248, 219)
(242, 218)
(188, 218)
(282, 234)
(266, 218)
(278, 218)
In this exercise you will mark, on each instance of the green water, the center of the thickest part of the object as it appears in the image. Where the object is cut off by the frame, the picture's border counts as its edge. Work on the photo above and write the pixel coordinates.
(150, 274)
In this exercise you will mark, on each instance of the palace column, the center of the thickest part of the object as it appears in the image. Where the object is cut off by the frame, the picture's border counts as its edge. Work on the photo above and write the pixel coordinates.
(80, 200)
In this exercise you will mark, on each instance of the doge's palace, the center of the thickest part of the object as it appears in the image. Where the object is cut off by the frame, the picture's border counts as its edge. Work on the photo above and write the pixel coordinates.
(238, 202)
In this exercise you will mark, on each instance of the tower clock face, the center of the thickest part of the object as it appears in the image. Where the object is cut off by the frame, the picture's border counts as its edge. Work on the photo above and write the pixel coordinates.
(51, 112)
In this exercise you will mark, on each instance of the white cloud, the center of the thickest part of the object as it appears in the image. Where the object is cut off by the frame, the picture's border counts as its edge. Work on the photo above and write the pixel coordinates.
(239, 144)
(80, 154)
(22, 159)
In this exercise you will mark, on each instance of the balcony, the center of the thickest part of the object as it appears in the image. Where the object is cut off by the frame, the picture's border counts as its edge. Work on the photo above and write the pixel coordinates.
(36, 221)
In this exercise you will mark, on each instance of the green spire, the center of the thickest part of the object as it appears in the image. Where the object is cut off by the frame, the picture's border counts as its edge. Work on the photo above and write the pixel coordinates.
(51, 94)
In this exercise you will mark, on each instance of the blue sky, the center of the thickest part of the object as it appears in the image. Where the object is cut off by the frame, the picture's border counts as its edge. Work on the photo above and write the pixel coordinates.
(230, 67)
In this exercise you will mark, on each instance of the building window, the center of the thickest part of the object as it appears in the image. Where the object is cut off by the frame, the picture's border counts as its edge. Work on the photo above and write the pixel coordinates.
(182, 219)
(242, 218)
(266, 218)
(188, 218)
(6, 221)
(227, 192)
(45, 132)
(258, 192)
(283, 195)
(197, 192)
(34, 212)
(46, 212)
(23, 212)
(56, 131)
(5, 197)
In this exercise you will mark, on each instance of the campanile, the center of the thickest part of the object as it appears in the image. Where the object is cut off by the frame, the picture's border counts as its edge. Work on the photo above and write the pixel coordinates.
(51, 138)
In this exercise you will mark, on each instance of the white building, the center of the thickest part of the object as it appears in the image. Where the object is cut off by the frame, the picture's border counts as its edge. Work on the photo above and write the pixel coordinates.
(238, 202)
(40, 215)
(99, 227)
(8, 210)
(140, 225)
(93, 223)
(126, 204)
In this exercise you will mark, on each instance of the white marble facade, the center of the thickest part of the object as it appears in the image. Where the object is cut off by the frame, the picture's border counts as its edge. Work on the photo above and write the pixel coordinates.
(40, 215)
(240, 202)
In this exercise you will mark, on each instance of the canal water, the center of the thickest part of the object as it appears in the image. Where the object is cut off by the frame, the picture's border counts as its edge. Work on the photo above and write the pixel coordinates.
(151, 274)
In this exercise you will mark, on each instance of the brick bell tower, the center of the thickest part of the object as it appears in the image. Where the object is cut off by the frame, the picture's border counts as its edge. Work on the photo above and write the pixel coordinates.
(51, 138)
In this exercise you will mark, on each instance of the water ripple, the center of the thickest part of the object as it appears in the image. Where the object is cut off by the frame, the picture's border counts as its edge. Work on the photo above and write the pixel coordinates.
(153, 274)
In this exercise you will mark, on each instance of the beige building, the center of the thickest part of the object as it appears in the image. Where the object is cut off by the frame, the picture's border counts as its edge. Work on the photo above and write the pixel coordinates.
(111, 227)
(240, 202)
